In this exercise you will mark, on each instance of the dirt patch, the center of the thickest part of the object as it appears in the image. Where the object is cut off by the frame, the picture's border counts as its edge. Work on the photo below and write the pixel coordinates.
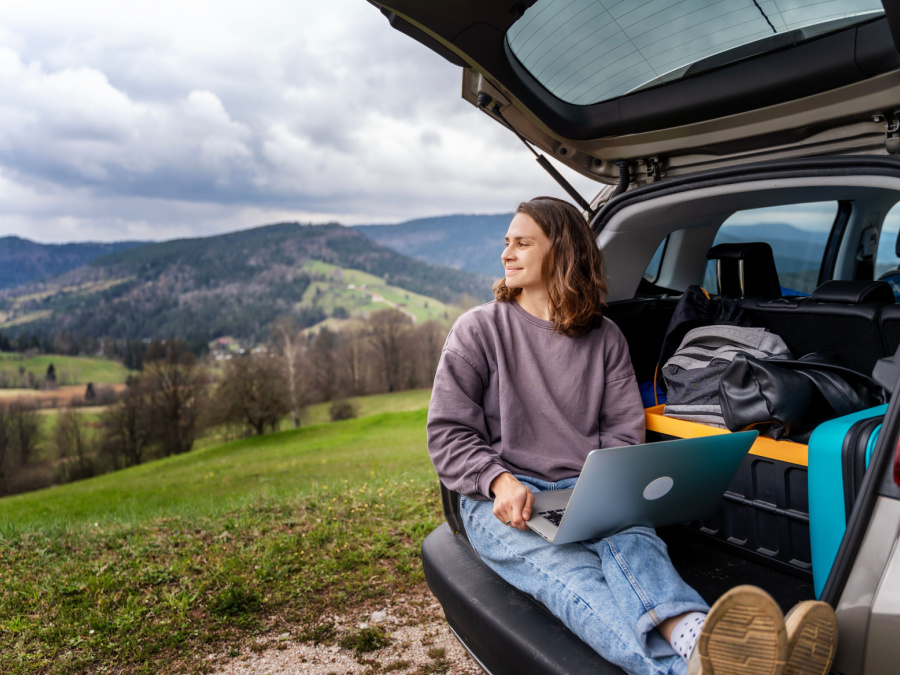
(54, 398)
(419, 642)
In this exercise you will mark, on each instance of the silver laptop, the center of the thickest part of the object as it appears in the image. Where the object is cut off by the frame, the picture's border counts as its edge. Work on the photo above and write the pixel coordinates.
(652, 484)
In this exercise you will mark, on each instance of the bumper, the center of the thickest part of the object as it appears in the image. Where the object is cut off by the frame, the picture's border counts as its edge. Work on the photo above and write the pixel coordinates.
(505, 630)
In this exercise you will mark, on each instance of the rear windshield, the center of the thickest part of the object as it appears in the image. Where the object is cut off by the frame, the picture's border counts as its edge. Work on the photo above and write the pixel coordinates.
(588, 51)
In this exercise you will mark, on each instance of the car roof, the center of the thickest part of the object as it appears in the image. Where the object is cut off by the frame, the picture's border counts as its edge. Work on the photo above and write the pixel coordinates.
(677, 86)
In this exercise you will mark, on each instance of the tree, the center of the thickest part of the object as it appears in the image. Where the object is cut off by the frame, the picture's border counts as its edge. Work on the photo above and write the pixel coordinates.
(72, 446)
(352, 358)
(7, 463)
(323, 360)
(287, 341)
(24, 430)
(127, 430)
(425, 345)
(176, 390)
(50, 377)
(388, 328)
(252, 391)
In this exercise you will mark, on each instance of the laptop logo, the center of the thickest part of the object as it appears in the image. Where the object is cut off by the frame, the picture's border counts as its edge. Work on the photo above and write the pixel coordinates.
(658, 488)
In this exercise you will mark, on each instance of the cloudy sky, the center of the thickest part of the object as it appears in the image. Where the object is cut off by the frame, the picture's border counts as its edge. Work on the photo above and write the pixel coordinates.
(123, 120)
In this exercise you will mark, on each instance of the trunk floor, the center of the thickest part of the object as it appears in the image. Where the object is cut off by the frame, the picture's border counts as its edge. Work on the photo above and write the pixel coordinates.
(709, 567)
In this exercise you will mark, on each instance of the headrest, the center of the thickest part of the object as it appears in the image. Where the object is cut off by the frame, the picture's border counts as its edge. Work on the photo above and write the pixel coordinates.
(854, 292)
(745, 270)
(740, 251)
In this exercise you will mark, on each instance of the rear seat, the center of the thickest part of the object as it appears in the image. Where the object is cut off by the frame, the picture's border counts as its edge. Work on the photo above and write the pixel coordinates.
(842, 318)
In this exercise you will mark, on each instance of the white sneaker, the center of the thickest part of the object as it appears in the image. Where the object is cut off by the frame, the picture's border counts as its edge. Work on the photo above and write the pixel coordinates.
(744, 634)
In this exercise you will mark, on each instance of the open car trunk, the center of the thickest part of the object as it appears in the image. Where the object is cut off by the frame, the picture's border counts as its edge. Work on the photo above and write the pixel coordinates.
(800, 521)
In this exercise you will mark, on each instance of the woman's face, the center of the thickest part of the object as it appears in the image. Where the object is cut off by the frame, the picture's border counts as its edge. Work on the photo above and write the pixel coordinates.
(526, 246)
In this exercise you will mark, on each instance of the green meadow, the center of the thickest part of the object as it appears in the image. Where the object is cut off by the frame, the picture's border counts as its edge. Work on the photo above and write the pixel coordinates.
(150, 569)
(357, 292)
(69, 369)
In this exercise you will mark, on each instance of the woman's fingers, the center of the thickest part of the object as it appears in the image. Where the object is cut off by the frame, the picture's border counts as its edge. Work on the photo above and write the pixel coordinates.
(526, 509)
(512, 501)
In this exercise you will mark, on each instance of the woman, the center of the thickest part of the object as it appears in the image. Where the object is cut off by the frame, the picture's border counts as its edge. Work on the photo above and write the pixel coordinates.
(529, 384)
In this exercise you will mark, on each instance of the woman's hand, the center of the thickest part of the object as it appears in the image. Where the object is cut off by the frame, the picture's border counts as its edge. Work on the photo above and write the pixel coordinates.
(512, 501)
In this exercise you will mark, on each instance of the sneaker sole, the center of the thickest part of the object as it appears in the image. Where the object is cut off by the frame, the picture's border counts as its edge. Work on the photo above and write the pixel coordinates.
(812, 634)
(744, 634)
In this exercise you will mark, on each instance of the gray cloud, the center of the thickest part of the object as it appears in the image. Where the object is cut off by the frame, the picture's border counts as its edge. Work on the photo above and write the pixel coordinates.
(192, 118)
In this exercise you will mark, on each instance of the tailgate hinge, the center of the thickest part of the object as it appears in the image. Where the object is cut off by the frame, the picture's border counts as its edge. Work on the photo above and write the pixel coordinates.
(653, 168)
(891, 131)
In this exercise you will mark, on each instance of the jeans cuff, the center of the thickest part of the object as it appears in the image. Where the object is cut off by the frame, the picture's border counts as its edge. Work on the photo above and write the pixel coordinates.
(656, 645)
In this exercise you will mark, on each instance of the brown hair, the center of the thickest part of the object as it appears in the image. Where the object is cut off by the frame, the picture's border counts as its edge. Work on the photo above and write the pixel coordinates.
(573, 269)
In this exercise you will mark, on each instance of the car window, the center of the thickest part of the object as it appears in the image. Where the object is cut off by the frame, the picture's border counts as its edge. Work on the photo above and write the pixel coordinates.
(651, 274)
(886, 257)
(585, 51)
(797, 233)
(887, 262)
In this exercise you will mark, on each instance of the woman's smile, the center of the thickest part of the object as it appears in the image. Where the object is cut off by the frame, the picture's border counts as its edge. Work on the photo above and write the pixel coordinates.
(523, 255)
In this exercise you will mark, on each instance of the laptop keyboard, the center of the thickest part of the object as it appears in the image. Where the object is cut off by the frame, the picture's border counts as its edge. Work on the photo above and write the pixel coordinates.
(554, 515)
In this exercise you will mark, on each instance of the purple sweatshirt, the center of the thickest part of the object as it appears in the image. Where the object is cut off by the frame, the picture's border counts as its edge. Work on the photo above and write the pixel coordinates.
(510, 394)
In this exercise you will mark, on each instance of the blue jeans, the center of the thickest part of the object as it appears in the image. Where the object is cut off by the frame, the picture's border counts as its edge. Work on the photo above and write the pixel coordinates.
(610, 592)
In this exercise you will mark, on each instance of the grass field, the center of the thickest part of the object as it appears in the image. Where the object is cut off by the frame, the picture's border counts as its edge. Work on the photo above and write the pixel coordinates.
(149, 569)
(361, 299)
(70, 370)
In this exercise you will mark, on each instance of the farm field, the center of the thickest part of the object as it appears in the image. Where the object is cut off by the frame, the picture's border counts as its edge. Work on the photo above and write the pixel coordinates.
(147, 569)
(361, 293)
(70, 370)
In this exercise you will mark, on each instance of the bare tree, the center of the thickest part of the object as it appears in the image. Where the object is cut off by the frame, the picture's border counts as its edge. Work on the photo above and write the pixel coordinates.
(176, 390)
(288, 343)
(323, 358)
(72, 446)
(24, 430)
(425, 345)
(352, 353)
(252, 391)
(388, 327)
(7, 462)
(127, 431)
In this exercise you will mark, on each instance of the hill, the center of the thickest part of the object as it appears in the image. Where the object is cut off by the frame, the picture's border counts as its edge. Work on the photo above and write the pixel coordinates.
(234, 284)
(467, 242)
(22, 260)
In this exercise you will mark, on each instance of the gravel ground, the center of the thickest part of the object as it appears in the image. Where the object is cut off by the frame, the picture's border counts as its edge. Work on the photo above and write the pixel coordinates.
(420, 643)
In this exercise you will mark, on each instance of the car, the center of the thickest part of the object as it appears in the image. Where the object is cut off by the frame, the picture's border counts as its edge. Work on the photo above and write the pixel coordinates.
(715, 130)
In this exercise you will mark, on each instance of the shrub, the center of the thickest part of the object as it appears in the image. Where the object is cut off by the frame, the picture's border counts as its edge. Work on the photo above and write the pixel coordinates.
(365, 640)
(235, 601)
(342, 410)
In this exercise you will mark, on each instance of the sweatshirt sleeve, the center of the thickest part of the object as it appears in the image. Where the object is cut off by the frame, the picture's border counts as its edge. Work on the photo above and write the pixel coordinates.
(622, 419)
(457, 431)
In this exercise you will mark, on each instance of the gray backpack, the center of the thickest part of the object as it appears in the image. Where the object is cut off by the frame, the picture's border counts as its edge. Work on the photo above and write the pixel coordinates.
(693, 373)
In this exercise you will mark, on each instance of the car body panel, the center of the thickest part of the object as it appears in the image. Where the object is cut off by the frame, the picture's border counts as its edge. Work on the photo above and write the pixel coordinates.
(855, 608)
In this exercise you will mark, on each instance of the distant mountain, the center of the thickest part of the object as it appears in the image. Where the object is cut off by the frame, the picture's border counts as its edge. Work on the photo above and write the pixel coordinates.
(234, 284)
(471, 243)
(792, 247)
(22, 260)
